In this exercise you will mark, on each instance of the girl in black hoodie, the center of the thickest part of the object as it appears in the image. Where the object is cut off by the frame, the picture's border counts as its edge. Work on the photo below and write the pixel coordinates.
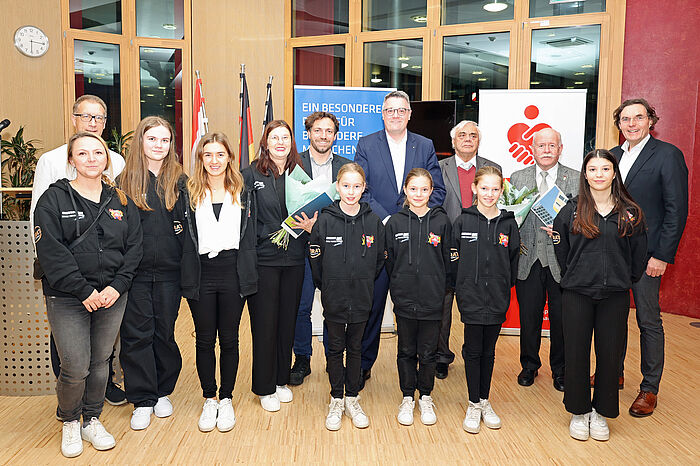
(346, 254)
(488, 247)
(601, 246)
(418, 263)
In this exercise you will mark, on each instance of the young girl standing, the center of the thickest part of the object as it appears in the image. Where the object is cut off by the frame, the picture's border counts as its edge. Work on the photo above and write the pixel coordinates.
(346, 253)
(488, 246)
(418, 243)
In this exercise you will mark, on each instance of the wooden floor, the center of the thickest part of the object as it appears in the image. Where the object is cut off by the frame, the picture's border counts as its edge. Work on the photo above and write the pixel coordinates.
(535, 424)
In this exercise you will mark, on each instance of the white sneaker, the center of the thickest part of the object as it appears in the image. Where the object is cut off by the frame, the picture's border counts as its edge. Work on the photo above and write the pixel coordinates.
(96, 434)
(71, 441)
(207, 420)
(141, 417)
(163, 407)
(579, 426)
(427, 410)
(284, 393)
(472, 421)
(270, 402)
(490, 418)
(227, 418)
(405, 416)
(335, 414)
(599, 427)
(354, 411)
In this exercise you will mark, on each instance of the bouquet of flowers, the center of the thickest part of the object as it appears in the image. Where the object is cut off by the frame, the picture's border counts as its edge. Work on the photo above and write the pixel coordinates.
(518, 201)
(302, 195)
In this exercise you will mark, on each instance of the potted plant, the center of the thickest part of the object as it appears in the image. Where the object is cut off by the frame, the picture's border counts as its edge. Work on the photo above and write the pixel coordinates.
(18, 171)
(120, 142)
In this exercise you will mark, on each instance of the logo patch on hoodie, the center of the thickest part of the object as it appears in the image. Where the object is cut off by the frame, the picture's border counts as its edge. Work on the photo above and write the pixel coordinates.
(470, 236)
(556, 238)
(367, 240)
(116, 214)
(177, 227)
(401, 237)
(434, 239)
(71, 214)
(454, 255)
(314, 251)
(334, 240)
(37, 234)
(258, 185)
(503, 240)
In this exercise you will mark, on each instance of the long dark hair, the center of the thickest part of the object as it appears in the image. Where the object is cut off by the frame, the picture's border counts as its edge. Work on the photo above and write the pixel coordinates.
(265, 163)
(630, 215)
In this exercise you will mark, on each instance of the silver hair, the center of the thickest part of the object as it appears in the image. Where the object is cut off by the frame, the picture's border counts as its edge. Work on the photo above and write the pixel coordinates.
(397, 94)
(460, 125)
(544, 129)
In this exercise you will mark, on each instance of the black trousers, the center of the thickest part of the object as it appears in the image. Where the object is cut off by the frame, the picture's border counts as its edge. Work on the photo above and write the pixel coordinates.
(273, 316)
(344, 338)
(533, 292)
(218, 310)
(149, 356)
(444, 354)
(605, 320)
(479, 352)
(373, 329)
(417, 345)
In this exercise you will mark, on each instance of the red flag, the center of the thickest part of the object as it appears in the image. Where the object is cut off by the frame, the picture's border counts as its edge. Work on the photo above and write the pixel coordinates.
(245, 148)
(199, 118)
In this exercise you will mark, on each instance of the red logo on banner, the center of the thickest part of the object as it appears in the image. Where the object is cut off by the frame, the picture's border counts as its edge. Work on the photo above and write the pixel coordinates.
(520, 136)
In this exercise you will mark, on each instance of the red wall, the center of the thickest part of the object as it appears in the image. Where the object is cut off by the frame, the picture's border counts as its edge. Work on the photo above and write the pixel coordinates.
(661, 65)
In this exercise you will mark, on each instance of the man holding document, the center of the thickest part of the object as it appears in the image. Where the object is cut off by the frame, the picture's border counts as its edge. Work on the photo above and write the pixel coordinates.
(318, 161)
(538, 270)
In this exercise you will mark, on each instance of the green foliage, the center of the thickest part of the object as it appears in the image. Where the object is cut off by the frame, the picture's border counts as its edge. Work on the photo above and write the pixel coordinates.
(512, 196)
(17, 171)
(119, 143)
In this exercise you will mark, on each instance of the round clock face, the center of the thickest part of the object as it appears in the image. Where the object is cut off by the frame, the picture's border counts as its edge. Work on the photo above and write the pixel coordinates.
(31, 41)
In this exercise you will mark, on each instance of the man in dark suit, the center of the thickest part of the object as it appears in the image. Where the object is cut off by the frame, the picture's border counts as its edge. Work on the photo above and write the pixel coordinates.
(386, 157)
(458, 173)
(318, 161)
(656, 176)
(538, 270)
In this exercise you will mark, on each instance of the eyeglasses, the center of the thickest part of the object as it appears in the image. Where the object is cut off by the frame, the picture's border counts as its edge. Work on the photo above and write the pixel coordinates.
(638, 118)
(85, 117)
(399, 111)
(276, 139)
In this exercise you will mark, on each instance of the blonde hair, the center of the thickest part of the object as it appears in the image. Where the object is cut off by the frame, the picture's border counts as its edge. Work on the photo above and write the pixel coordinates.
(199, 181)
(352, 167)
(485, 171)
(134, 178)
(108, 166)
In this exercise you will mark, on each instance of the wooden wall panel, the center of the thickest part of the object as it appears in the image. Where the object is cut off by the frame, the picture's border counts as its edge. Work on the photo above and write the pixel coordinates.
(31, 89)
(226, 33)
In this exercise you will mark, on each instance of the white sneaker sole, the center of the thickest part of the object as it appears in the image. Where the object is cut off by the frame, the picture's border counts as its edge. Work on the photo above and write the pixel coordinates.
(333, 427)
(600, 437)
(471, 430)
(428, 422)
(228, 428)
(578, 436)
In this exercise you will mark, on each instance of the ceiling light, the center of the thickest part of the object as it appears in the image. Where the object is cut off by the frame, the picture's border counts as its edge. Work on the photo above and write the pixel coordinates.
(477, 72)
(404, 58)
(482, 79)
(416, 67)
(419, 18)
(404, 65)
(578, 82)
(169, 26)
(586, 66)
(534, 83)
(495, 7)
(579, 73)
(376, 80)
(149, 95)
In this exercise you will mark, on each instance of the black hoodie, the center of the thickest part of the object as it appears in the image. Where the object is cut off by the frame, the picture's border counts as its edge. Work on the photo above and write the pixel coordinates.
(108, 256)
(488, 265)
(191, 269)
(418, 262)
(596, 267)
(346, 254)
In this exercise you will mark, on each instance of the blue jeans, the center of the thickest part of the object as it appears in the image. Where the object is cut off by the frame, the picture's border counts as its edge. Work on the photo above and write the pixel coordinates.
(84, 341)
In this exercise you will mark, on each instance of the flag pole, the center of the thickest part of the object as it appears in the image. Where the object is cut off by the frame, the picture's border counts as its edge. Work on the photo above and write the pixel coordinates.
(204, 112)
(267, 103)
(241, 75)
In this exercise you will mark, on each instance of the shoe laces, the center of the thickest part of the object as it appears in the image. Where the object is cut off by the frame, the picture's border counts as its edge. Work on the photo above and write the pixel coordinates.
(487, 409)
(335, 407)
(426, 404)
(142, 411)
(224, 402)
(97, 428)
(473, 412)
(407, 405)
(211, 406)
(355, 408)
(70, 431)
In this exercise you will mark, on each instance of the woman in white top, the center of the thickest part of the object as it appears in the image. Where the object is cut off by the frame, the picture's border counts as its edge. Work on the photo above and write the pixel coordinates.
(215, 189)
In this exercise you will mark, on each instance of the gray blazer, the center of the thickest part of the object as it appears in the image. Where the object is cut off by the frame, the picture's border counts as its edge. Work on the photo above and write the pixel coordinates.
(567, 181)
(453, 195)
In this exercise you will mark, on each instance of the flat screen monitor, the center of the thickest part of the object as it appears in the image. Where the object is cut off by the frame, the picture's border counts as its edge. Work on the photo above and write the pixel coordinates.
(434, 119)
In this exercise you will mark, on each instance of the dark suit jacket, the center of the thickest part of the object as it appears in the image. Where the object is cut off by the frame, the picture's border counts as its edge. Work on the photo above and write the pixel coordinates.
(374, 157)
(658, 182)
(453, 194)
(336, 163)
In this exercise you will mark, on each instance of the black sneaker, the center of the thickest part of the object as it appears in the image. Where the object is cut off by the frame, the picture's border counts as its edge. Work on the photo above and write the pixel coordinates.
(114, 394)
(300, 369)
(441, 370)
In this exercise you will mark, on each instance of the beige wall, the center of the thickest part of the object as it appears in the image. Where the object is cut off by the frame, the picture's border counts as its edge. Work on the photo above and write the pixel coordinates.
(31, 89)
(226, 33)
